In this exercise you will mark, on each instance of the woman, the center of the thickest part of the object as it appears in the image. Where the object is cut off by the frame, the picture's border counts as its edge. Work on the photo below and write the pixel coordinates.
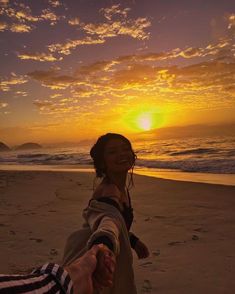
(109, 215)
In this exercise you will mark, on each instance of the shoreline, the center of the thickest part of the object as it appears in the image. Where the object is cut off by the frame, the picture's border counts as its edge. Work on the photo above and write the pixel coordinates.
(170, 174)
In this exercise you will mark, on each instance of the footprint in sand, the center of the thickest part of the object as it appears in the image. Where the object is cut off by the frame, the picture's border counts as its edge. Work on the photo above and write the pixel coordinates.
(145, 264)
(173, 243)
(147, 219)
(159, 216)
(156, 252)
(146, 287)
(195, 237)
(53, 252)
(38, 240)
(200, 230)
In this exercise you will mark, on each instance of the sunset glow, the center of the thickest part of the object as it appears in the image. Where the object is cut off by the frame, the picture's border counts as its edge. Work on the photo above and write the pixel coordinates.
(145, 121)
(72, 70)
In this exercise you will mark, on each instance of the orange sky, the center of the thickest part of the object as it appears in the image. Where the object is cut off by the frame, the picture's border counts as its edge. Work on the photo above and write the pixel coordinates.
(73, 70)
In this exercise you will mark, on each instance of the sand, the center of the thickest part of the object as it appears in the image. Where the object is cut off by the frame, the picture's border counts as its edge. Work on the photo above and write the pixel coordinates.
(189, 228)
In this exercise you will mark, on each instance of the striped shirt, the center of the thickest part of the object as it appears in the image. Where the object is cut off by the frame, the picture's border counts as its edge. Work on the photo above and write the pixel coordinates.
(50, 278)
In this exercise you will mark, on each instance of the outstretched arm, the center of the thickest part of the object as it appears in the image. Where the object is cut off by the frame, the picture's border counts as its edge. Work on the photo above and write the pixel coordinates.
(78, 277)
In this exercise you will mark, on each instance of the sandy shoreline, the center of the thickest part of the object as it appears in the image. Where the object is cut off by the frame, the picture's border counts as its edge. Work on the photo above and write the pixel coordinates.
(170, 174)
(189, 227)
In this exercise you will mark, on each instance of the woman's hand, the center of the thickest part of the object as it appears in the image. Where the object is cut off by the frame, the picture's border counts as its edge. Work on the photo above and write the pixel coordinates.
(105, 268)
(141, 250)
(92, 271)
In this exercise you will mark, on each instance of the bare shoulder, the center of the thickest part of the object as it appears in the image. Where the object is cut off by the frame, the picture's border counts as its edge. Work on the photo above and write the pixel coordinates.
(107, 190)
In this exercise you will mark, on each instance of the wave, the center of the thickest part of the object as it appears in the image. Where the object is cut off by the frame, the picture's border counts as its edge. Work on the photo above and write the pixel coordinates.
(209, 166)
(31, 155)
(210, 155)
(195, 151)
(53, 159)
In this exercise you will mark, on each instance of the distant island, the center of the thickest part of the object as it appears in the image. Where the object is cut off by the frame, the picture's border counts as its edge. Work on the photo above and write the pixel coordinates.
(28, 146)
(4, 147)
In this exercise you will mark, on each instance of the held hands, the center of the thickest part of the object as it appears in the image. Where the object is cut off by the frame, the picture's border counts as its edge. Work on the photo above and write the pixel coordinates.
(141, 250)
(105, 267)
(93, 271)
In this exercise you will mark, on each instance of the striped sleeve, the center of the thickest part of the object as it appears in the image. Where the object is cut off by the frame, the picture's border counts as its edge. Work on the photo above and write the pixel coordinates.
(50, 278)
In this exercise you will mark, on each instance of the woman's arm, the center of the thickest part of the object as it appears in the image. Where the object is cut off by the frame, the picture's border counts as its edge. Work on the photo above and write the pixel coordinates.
(80, 277)
(106, 230)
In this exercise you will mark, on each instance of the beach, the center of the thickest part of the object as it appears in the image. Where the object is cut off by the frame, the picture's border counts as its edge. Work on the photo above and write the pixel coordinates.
(189, 227)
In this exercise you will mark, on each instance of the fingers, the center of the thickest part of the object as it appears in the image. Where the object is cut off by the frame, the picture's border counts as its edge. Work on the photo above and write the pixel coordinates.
(96, 248)
(110, 263)
(104, 272)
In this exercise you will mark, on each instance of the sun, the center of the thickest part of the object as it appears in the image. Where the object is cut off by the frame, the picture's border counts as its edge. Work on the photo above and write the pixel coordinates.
(143, 118)
(144, 121)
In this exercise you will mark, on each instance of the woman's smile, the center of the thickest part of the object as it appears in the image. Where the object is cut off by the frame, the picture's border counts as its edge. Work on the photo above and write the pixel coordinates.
(118, 156)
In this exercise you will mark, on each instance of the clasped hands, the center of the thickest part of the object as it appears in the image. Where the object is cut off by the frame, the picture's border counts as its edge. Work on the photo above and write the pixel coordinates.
(93, 271)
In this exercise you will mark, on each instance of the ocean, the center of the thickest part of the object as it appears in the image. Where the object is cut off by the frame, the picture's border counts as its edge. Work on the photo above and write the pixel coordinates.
(209, 157)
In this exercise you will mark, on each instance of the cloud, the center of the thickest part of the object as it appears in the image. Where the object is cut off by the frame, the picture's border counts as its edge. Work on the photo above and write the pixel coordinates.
(114, 10)
(20, 28)
(15, 27)
(98, 33)
(21, 93)
(222, 47)
(95, 67)
(119, 82)
(231, 22)
(4, 2)
(55, 3)
(42, 105)
(74, 21)
(204, 75)
(55, 108)
(208, 82)
(117, 23)
(20, 12)
(39, 57)
(3, 105)
(65, 48)
(53, 96)
(5, 84)
(47, 14)
(52, 79)
(132, 28)
(3, 26)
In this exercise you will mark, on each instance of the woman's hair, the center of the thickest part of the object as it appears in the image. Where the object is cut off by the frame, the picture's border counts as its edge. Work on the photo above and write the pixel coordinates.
(97, 153)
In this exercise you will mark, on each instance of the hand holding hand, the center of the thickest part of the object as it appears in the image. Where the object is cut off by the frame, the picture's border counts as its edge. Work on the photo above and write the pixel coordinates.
(93, 270)
(104, 272)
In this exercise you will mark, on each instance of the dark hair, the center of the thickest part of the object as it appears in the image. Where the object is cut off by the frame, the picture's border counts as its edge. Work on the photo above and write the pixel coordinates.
(97, 153)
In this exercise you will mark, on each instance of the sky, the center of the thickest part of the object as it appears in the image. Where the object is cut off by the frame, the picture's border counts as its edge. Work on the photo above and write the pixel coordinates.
(73, 70)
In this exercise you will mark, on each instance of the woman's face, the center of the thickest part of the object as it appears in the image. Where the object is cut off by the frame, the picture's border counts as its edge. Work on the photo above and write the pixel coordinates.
(118, 156)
